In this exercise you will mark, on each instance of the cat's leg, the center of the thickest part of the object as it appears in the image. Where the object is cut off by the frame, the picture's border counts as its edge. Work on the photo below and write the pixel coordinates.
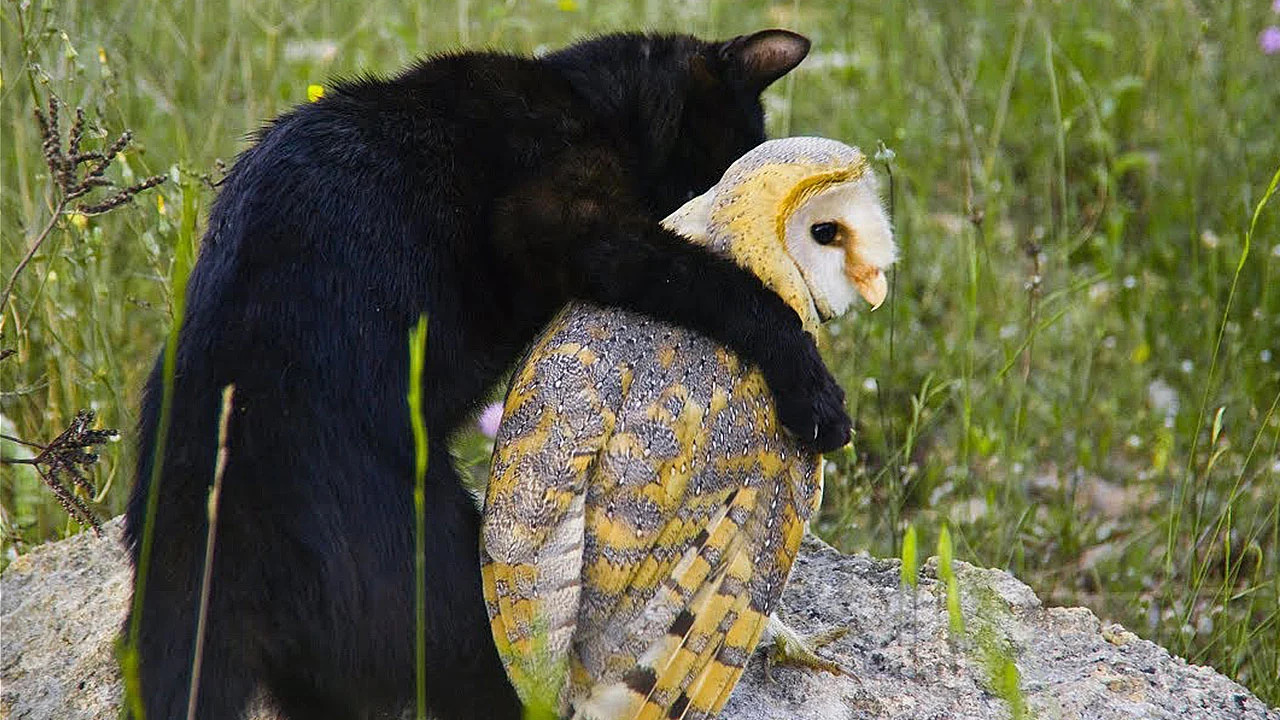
(300, 699)
(166, 645)
(465, 677)
(573, 227)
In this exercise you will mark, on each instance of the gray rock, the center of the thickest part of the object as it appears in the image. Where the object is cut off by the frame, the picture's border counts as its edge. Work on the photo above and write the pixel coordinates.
(62, 604)
(903, 662)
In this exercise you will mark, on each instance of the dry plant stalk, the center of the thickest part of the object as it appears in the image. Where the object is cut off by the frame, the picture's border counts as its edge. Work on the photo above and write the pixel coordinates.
(62, 464)
(75, 174)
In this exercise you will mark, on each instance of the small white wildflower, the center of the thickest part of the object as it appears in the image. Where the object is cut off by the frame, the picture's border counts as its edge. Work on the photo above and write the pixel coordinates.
(1210, 239)
(1133, 441)
(1109, 342)
(319, 50)
(1204, 626)
(870, 385)
(1186, 366)
(1130, 282)
(1163, 398)
(831, 61)
(1265, 355)
(829, 468)
(941, 492)
(774, 104)
(1008, 331)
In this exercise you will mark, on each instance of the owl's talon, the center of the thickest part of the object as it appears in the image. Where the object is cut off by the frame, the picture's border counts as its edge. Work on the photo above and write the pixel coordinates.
(786, 647)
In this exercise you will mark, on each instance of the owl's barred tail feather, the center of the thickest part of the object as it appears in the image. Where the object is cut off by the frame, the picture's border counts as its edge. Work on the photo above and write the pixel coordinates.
(713, 595)
(533, 621)
(531, 572)
(722, 605)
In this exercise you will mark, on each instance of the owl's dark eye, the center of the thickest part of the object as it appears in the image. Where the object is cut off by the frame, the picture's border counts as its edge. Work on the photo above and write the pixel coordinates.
(824, 233)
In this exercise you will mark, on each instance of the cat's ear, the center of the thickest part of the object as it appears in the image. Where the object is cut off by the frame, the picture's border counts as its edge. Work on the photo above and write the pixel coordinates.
(756, 60)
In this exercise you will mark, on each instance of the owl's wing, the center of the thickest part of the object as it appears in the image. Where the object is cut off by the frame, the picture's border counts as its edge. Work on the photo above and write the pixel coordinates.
(686, 556)
(532, 534)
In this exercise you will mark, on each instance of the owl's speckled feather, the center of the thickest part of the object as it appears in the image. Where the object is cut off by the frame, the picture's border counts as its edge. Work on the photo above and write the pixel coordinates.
(645, 505)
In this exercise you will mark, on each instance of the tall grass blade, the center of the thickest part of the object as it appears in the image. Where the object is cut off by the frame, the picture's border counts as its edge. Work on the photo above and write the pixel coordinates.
(183, 259)
(910, 560)
(417, 361)
(1176, 520)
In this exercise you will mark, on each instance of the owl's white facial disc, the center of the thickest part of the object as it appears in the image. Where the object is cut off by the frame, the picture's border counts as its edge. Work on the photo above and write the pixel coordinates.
(838, 263)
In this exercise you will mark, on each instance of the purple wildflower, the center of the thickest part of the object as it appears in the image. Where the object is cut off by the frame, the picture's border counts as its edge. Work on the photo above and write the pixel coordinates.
(489, 419)
(1275, 6)
(1269, 40)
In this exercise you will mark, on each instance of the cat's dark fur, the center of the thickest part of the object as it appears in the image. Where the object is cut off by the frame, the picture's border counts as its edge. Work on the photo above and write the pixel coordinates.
(484, 190)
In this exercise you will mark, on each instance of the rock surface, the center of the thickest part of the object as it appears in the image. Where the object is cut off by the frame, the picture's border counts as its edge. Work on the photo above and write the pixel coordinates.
(61, 606)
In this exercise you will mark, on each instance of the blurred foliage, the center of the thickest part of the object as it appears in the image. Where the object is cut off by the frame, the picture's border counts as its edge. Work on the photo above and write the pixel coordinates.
(1072, 185)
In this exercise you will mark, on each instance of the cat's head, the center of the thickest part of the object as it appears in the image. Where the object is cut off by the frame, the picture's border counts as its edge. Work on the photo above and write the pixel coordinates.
(690, 106)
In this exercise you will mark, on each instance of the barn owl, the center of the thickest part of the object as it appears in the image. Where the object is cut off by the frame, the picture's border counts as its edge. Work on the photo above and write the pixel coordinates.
(645, 505)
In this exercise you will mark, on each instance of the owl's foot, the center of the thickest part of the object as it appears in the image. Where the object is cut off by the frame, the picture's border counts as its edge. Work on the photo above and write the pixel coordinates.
(787, 647)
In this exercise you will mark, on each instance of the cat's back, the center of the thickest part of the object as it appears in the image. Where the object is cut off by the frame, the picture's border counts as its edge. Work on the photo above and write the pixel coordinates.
(433, 113)
(378, 164)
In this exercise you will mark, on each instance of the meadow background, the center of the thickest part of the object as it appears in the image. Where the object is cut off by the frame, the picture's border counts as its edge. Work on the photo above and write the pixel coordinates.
(1077, 372)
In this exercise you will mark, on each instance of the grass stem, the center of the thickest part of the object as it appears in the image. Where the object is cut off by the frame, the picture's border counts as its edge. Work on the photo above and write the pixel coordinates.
(417, 361)
(215, 494)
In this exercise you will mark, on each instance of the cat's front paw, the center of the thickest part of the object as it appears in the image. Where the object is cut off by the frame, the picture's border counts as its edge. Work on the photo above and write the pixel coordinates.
(811, 404)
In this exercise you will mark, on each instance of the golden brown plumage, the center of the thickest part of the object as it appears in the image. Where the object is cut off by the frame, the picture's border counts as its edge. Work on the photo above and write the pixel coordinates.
(645, 505)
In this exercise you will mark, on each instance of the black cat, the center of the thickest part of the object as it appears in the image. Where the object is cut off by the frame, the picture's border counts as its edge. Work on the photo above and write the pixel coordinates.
(484, 190)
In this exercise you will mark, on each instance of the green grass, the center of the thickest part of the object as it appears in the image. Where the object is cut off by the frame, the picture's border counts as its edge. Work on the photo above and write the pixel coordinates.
(417, 358)
(1078, 368)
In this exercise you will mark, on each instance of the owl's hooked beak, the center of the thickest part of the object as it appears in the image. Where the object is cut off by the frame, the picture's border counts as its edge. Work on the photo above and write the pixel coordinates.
(871, 283)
